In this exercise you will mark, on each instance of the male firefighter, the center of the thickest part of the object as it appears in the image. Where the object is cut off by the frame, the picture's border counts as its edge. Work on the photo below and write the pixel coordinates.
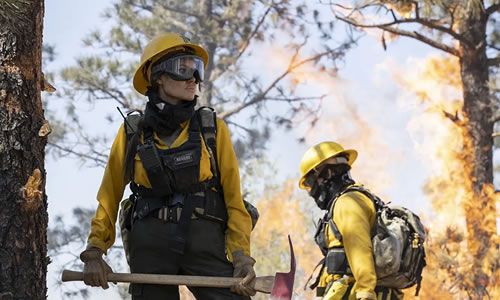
(344, 233)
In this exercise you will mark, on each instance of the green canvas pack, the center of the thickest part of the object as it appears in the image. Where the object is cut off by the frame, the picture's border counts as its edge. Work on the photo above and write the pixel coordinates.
(397, 241)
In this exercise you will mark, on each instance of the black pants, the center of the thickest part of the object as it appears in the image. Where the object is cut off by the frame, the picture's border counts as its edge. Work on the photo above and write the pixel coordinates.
(204, 255)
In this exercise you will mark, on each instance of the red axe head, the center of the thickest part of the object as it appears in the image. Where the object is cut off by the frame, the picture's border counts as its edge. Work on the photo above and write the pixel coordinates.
(283, 282)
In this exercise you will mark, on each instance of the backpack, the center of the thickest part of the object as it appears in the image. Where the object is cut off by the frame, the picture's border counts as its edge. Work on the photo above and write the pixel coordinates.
(398, 239)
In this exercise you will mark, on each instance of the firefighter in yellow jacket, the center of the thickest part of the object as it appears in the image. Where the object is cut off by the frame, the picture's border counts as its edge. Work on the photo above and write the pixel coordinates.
(185, 218)
(344, 233)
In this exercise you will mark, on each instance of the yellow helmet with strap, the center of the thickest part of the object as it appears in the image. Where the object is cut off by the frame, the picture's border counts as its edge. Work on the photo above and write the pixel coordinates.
(321, 152)
(156, 49)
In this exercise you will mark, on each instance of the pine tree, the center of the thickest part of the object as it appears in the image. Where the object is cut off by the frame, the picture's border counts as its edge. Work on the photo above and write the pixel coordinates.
(228, 30)
(23, 217)
(469, 31)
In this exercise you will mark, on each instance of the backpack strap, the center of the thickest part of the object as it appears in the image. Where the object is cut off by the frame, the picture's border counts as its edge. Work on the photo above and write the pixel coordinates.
(315, 283)
(353, 188)
(331, 223)
(207, 120)
(152, 163)
(131, 126)
(208, 124)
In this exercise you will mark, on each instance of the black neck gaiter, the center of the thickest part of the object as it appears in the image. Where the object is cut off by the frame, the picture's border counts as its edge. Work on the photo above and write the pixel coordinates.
(325, 193)
(167, 120)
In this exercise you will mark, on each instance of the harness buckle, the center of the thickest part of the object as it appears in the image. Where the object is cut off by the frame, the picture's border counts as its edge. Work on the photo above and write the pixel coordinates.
(177, 199)
(143, 212)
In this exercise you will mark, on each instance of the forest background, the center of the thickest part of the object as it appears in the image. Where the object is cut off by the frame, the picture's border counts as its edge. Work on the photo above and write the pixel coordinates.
(395, 80)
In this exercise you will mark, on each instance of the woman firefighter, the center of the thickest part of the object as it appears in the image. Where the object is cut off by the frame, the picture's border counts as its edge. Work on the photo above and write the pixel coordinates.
(187, 214)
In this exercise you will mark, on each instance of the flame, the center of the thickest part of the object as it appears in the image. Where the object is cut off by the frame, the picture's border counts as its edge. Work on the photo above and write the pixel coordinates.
(372, 17)
(437, 139)
(285, 212)
(342, 121)
(463, 240)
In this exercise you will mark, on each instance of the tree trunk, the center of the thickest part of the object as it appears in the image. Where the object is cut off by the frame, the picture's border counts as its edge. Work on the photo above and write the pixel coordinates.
(479, 109)
(23, 213)
(206, 9)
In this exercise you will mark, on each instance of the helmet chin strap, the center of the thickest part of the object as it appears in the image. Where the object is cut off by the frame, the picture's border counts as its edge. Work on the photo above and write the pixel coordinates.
(197, 77)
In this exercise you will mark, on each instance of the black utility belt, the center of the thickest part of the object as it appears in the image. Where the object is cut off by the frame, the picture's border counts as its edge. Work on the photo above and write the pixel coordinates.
(173, 214)
(169, 209)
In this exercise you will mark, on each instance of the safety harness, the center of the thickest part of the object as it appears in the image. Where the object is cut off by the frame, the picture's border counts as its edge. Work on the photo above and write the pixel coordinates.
(176, 194)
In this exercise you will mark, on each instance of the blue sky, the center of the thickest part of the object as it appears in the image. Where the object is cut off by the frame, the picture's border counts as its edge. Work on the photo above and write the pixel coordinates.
(364, 83)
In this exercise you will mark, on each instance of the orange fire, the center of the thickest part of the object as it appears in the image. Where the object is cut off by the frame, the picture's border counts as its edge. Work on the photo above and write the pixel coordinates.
(459, 229)
(285, 212)
(462, 239)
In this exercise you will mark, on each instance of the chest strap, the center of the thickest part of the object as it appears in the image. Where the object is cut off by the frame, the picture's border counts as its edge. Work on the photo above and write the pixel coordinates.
(160, 180)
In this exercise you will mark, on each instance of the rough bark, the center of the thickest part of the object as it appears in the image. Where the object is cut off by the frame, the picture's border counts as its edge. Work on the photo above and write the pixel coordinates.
(207, 11)
(479, 109)
(23, 203)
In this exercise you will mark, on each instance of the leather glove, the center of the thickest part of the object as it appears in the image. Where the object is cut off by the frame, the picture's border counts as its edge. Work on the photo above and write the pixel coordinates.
(243, 267)
(95, 270)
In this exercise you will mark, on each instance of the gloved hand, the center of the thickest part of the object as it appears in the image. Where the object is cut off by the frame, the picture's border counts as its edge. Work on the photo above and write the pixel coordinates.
(95, 270)
(243, 267)
(365, 295)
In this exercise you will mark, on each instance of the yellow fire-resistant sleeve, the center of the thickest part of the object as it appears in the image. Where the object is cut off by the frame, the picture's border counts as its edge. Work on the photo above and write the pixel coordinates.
(239, 224)
(102, 231)
(354, 215)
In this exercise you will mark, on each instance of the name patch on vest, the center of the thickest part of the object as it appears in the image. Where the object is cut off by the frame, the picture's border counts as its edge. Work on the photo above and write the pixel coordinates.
(183, 158)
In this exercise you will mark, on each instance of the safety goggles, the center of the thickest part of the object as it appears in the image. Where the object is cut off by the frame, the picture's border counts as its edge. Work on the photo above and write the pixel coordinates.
(181, 67)
(325, 170)
(313, 175)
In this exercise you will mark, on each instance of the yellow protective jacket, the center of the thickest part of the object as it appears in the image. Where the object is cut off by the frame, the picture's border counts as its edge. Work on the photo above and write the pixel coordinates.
(239, 225)
(354, 215)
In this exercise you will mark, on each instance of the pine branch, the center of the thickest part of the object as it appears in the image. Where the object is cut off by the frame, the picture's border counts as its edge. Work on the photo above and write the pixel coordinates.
(429, 23)
(166, 6)
(97, 160)
(246, 43)
(295, 99)
(493, 47)
(254, 32)
(248, 130)
(453, 117)
(412, 34)
(179, 11)
(493, 62)
(496, 118)
(493, 9)
(263, 95)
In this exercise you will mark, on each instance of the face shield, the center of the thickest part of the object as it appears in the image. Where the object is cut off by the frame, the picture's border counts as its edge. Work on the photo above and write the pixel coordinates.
(181, 67)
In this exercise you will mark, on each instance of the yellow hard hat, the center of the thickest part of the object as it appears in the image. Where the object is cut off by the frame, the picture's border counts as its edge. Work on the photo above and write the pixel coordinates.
(319, 153)
(156, 49)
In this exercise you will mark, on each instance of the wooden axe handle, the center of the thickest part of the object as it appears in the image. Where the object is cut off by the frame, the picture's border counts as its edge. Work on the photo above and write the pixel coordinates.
(263, 284)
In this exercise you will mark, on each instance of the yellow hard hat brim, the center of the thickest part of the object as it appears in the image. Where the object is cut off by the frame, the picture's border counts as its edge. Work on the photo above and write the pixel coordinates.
(141, 83)
(351, 157)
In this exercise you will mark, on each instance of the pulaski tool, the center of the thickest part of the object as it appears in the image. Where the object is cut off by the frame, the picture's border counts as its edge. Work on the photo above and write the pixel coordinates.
(280, 286)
